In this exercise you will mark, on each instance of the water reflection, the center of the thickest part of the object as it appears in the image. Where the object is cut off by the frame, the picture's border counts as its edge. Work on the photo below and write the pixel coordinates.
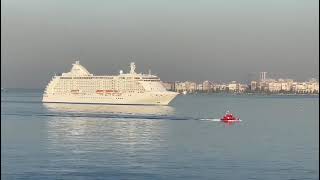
(82, 135)
(109, 109)
(86, 132)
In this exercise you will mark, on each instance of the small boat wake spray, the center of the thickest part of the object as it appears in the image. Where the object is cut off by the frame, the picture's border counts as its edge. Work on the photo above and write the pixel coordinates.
(227, 118)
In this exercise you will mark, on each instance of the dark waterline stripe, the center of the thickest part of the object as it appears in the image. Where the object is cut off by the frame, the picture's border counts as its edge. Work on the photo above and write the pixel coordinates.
(104, 116)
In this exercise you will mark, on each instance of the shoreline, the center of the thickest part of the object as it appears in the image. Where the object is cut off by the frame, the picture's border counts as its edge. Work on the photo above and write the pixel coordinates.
(251, 94)
(8, 90)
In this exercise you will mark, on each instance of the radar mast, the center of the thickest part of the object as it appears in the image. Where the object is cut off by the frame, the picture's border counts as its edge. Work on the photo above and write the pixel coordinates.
(132, 68)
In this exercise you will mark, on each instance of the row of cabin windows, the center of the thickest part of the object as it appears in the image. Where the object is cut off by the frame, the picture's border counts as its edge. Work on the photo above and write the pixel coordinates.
(103, 77)
(83, 89)
(62, 92)
(98, 97)
(95, 82)
(98, 82)
(86, 77)
(67, 85)
(105, 82)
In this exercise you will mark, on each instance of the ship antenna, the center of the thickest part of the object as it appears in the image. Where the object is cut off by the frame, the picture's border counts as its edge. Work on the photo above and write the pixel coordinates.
(149, 71)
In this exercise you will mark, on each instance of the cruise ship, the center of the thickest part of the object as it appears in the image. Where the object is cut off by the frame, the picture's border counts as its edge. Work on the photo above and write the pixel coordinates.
(80, 86)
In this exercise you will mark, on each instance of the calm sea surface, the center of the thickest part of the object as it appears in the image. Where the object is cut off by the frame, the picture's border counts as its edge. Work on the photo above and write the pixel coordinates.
(277, 139)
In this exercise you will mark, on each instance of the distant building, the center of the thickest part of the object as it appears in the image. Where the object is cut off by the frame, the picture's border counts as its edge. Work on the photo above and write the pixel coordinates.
(263, 76)
(274, 86)
(168, 85)
(233, 86)
(299, 87)
(185, 86)
(253, 85)
(199, 87)
(191, 86)
(180, 86)
(243, 87)
(312, 86)
(221, 87)
(206, 86)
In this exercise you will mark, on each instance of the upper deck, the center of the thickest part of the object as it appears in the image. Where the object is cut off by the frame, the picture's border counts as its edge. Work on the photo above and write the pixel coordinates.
(79, 72)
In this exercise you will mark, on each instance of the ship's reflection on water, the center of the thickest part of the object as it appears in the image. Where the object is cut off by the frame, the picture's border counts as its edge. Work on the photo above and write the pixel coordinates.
(109, 109)
(110, 135)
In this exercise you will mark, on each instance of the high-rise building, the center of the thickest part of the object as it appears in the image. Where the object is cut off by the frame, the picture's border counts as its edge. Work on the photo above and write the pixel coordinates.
(263, 76)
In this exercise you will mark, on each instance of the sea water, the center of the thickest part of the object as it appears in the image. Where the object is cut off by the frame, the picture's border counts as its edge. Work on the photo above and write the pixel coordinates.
(277, 138)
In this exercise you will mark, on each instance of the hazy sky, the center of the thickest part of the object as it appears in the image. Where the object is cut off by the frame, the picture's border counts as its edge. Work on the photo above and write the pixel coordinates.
(197, 40)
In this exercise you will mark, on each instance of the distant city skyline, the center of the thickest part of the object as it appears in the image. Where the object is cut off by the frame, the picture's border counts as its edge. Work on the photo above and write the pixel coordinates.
(177, 40)
(263, 85)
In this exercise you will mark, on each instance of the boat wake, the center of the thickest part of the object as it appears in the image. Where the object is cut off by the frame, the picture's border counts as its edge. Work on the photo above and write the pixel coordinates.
(114, 116)
(219, 120)
(215, 120)
(101, 116)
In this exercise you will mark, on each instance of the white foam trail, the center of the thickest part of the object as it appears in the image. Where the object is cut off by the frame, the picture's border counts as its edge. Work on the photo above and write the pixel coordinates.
(219, 120)
(215, 120)
(239, 120)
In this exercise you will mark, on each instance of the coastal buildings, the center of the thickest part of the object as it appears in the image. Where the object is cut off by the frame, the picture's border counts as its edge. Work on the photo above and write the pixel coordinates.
(266, 85)
(168, 85)
(310, 86)
(285, 86)
(187, 86)
(233, 86)
(253, 85)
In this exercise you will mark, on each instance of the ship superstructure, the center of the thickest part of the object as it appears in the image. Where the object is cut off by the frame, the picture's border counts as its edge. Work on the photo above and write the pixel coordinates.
(80, 86)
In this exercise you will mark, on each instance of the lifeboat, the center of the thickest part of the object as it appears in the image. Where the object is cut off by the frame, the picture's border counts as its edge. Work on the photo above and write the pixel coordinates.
(100, 92)
(228, 117)
(109, 91)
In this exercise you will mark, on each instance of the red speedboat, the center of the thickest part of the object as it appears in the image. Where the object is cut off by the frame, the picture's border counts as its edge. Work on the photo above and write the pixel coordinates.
(228, 117)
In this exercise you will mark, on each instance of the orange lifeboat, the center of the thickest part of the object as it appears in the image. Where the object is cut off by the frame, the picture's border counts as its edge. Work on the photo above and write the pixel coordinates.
(108, 91)
(100, 92)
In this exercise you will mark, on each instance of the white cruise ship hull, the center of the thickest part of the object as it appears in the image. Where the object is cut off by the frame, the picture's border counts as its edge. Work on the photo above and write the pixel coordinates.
(151, 98)
(79, 86)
